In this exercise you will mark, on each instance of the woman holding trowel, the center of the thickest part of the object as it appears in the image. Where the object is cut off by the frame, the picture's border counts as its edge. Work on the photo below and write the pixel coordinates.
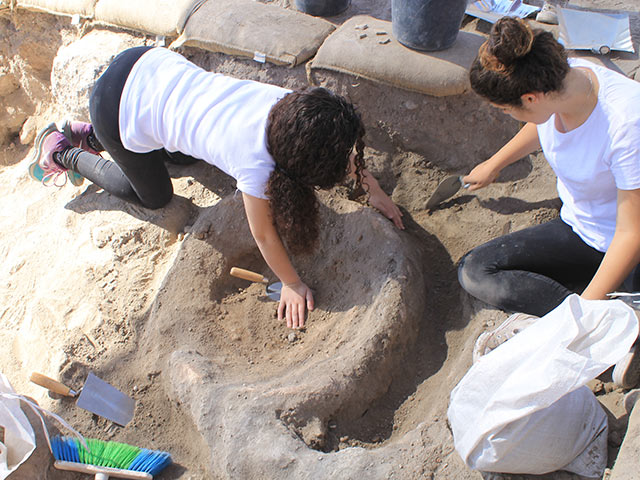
(152, 106)
(586, 119)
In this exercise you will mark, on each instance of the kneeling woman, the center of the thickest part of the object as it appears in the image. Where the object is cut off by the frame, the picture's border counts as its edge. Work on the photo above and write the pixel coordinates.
(587, 121)
(152, 105)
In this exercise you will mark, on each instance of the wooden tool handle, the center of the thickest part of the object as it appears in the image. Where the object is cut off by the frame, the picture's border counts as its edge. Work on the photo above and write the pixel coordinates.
(101, 473)
(247, 275)
(51, 384)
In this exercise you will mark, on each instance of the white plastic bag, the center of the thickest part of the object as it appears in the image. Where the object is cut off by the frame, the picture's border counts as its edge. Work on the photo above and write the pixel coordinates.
(19, 438)
(522, 408)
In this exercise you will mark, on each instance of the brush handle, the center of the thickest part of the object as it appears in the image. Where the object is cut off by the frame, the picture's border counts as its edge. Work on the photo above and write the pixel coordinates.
(52, 385)
(101, 473)
(248, 275)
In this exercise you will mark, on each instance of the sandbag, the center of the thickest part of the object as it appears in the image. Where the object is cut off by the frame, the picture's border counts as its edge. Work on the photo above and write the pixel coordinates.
(157, 17)
(364, 46)
(84, 8)
(523, 407)
(255, 30)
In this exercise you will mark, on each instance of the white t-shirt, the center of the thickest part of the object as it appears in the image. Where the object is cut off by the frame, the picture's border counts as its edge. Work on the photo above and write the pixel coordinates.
(168, 102)
(596, 159)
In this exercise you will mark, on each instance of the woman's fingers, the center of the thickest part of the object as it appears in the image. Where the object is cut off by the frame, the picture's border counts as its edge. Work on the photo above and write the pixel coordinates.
(310, 300)
(294, 302)
(300, 323)
(397, 217)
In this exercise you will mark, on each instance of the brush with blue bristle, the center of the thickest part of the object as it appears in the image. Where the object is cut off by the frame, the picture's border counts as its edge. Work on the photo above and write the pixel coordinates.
(107, 459)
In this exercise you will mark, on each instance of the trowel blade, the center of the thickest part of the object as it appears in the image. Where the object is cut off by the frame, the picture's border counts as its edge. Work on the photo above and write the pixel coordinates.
(104, 399)
(445, 190)
(273, 291)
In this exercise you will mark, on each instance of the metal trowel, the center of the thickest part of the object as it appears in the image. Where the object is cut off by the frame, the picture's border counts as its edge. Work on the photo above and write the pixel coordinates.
(97, 396)
(445, 190)
(272, 289)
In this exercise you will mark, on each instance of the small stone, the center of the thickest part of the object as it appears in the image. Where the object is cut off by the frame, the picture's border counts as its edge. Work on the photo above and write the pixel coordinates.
(409, 105)
(597, 387)
(28, 131)
(362, 26)
(385, 41)
(8, 83)
(292, 337)
(135, 388)
(180, 236)
(381, 32)
(344, 439)
(362, 35)
(442, 108)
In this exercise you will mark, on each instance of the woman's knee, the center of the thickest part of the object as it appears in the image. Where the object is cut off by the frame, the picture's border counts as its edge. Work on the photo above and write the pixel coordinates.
(158, 201)
(471, 272)
(477, 275)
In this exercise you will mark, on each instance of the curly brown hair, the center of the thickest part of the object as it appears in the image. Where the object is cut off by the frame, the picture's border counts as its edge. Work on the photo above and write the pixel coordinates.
(516, 60)
(310, 135)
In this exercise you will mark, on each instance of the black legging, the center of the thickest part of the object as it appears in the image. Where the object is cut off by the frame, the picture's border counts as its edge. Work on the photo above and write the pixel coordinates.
(533, 270)
(140, 178)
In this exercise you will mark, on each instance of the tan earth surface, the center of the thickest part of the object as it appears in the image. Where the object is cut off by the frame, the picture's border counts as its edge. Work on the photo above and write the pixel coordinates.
(143, 298)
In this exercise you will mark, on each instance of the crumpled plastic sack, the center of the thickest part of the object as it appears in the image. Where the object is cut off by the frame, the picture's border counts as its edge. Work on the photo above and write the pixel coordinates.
(19, 438)
(523, 407)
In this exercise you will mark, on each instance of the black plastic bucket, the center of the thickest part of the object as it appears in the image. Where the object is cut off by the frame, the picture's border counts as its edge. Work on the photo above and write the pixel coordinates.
(427, 24)
(322, 8)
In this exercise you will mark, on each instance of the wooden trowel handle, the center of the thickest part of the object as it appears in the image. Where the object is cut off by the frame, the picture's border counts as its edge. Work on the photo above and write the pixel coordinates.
(51, 384)
(247, 275)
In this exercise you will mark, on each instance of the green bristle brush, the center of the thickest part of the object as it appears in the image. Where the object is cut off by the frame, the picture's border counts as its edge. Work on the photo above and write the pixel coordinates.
(107, 459)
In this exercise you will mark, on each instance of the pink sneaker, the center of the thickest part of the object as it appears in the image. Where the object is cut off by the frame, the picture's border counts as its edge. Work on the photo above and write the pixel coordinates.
(77, 133)
(44, 168)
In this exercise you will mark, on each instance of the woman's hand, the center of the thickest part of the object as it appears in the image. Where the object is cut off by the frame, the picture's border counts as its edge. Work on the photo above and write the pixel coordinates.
(482, 175)
(293, 300)
(381, 202)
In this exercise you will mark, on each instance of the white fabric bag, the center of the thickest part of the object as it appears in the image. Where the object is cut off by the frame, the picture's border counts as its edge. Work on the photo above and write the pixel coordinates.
(523, 407)
(19, 438)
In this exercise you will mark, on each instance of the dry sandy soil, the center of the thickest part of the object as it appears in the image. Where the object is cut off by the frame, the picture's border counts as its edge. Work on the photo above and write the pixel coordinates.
(94, 284)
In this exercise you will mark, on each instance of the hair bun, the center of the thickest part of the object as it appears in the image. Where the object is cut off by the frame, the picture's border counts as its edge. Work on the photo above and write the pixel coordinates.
(510, 39)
